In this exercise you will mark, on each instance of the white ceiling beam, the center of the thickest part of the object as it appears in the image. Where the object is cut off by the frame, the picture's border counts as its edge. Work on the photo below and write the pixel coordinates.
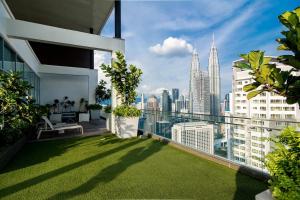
(48, 34)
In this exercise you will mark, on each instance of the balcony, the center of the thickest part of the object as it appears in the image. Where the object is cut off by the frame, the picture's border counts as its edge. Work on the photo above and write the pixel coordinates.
(102, 167)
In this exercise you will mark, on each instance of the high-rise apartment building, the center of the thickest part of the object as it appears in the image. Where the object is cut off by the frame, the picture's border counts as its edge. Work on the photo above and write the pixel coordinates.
(199, 95)
(214, 80)
(260, 118)
(175, 94)
(150, 114)
(166, 101)
(197, 135)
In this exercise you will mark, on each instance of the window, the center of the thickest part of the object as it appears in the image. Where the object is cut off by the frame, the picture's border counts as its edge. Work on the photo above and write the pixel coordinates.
(20, 65)
(263, 108)
(10, 61)
(1, 53)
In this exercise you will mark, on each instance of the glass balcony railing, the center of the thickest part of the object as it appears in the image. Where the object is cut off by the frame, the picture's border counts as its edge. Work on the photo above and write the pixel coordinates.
(241, 140)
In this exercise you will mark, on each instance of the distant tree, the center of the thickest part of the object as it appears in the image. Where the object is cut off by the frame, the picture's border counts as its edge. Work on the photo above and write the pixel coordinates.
(268, 77)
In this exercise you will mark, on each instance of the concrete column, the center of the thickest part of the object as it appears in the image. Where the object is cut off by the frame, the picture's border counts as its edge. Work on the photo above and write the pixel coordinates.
(114, 100)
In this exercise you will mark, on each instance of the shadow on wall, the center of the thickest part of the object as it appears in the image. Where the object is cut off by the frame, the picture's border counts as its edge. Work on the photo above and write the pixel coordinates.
(247, 187)
(113, 171)
(51, 174)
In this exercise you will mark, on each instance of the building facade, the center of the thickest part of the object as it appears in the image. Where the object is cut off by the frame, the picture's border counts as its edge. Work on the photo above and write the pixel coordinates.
(175, 94)
(214, 80)
(199, 95)
(256, 119)
(166, 101)
(196, 135)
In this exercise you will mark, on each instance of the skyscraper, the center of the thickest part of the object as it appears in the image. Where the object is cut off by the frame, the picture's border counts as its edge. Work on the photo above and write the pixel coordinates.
(175, 94)
(214, 79)
(198, 88)
(166, 102)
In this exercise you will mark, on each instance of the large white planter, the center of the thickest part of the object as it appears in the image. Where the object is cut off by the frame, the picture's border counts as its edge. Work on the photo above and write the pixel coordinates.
(127, 127)
(95, 114)
(84, 117)
(56, 118)
(108, 121)
(103, 114)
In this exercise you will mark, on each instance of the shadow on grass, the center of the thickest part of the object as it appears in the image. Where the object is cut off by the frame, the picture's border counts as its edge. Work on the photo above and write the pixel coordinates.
(113, 171)
(46, 176)
(247, 187)
(28, 156)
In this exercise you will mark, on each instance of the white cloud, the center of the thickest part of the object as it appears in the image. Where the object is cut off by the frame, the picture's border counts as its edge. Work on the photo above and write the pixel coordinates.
(172, 47)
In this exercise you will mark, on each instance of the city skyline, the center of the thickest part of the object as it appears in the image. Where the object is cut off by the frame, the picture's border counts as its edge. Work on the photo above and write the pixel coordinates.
(183, 24)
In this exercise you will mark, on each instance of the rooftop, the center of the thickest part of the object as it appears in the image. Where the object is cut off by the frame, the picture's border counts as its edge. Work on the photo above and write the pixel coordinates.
(101, 167)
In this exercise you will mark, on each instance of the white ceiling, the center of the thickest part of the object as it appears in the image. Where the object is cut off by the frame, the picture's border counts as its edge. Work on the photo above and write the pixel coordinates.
(80, 15)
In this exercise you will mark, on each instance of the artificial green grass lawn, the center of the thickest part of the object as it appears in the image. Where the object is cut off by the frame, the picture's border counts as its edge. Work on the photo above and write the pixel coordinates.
(105, 167)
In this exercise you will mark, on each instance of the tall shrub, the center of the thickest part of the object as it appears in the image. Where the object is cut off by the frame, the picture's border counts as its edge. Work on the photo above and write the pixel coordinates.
(125, 79)
(16, 106)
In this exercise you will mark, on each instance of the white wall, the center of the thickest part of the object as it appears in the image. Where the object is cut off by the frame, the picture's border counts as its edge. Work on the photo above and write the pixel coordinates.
(56, 86)
(76, 83)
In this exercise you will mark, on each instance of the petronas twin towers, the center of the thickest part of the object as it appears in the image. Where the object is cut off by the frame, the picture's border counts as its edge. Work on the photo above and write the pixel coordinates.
(204, 88)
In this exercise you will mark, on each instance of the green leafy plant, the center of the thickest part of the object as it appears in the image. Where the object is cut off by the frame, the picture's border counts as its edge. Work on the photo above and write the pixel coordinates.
(127, 111)
(283, 163)
(268, 77)
(125, 79)
(16, 106)
(107, 109)
(102, 93)
(94, 107)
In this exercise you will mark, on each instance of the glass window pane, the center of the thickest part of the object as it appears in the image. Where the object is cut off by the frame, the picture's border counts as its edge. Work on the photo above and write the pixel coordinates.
(28, 76)
(1, 53)
(38, 91)
(20, 66)
(9, 59)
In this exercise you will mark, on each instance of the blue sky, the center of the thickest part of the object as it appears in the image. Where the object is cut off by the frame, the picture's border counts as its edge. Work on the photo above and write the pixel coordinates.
(160, 36)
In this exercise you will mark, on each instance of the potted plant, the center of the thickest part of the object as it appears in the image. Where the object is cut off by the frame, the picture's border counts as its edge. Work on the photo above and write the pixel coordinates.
(84, 115)
(125, 79)
(94, 111)
(55, 115)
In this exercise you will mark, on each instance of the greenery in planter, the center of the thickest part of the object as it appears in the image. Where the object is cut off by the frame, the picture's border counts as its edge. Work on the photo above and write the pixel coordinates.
(284, 165)
(67, 104)
(126, 111)
(94, 107)
(125, 79)
(102, 93)
(268, 77)
(17, 107)
(55, 106)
